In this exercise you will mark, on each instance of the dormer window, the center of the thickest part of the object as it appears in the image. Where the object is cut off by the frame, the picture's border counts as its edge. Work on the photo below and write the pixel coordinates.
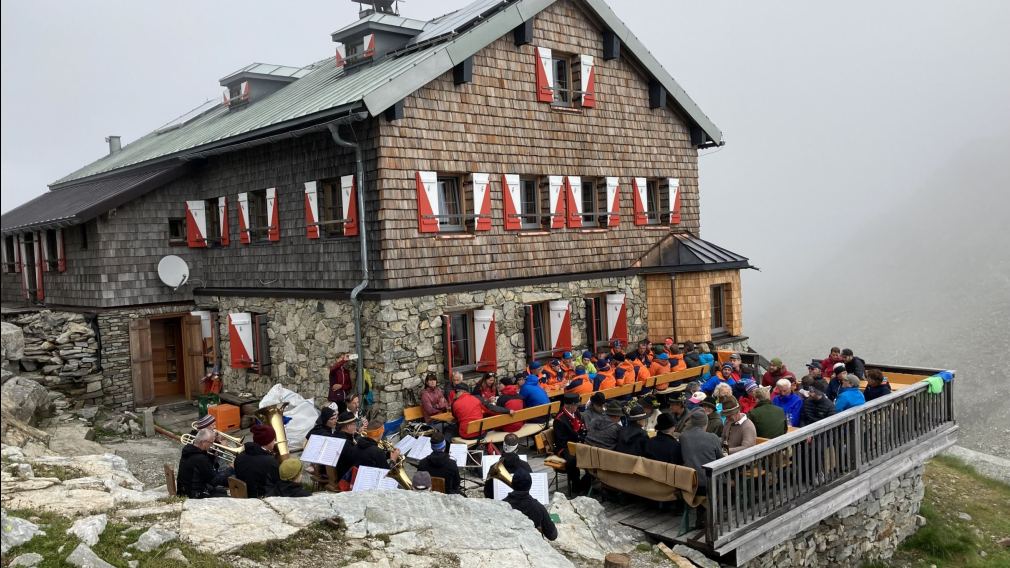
(257, 81)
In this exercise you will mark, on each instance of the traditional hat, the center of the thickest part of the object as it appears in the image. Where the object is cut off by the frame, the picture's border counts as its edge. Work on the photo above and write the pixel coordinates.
(665, 422)
(570, 398)
(673, 388)
(205, 422)
(637, 413)
(613, 408)
(345, 417)
(290, 469)
(730, 407)
(649, 400)
(598, 398)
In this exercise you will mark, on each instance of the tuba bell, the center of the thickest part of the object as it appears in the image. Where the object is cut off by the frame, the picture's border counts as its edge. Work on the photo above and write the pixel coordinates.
(499, 472)
(274, 416)
(398, 473)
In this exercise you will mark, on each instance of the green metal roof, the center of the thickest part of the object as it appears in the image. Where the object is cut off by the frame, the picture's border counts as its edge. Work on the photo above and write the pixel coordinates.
(326, 91)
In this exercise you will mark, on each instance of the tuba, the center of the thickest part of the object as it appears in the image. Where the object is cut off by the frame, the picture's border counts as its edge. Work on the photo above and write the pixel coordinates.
(397, 472)
(499, 472)
(274, 416)
(220, 451)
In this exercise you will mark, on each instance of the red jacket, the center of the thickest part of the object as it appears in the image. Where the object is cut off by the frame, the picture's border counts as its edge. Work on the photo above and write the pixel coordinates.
(339, 375)
(432, 402)
(827, 365)
(747, 403)
(511, 400)
(769, 380)
(465, 410)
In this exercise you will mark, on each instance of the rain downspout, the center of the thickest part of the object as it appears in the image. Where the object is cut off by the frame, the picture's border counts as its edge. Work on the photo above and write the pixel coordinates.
(360, 179)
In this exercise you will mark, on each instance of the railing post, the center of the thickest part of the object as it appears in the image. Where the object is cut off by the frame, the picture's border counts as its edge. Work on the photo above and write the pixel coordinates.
(857, 443)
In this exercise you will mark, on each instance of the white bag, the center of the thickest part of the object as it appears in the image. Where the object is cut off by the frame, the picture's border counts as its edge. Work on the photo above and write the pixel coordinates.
(301, 411)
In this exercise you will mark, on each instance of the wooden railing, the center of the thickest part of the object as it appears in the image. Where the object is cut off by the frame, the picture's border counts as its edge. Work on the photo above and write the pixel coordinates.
(753, 487)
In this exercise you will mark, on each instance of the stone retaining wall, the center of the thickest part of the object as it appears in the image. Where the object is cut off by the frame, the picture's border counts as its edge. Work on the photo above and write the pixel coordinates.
(61, 352)
(868, 530)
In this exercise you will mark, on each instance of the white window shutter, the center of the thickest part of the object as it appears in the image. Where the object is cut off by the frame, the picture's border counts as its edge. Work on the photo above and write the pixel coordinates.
(512, 201)
(311, 210)
(556, 189)
(544, 75)
(482, 200)
(613, 201)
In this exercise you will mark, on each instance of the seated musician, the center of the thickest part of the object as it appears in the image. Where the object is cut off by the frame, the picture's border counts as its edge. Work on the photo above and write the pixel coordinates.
(366, 451)
(352, 404)
(440, 464)
(469, 407)
(569, 427)
(581, 384)
(347, 429)
(421, 481)
(290, 484)
(222, 470)
(521, 500)
(631, 438)
(326, 423)
(510, 399)
(257, 466)
(511, 460)
(739, 433)
(602, 433)
(664, 446)
(197, 470)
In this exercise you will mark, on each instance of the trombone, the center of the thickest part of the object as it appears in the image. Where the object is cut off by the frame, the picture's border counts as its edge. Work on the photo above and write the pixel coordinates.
(222, 452)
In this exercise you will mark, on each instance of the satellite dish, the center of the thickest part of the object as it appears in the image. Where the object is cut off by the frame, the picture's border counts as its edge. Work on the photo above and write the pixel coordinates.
(173, 271)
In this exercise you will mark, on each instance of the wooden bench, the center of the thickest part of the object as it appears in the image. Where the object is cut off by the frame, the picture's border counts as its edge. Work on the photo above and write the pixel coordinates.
(635, 475)
(237, 488)
(412, 413)
(170, 480)
(675, 377)
(545, 444)
(486, 427)
(614, 392)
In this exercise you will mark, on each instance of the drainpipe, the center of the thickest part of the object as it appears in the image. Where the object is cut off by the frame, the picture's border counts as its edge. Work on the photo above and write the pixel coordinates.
(362, 239)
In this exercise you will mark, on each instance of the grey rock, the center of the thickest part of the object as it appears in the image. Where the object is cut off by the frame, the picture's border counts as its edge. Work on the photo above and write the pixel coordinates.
(84, 557)
(26, 560)
(154, 538)
(12, 342)
(585, 531)
(15, 531)
(89, 529)
(695, 556)
(176, 555)
(24, 400)
(964, 516)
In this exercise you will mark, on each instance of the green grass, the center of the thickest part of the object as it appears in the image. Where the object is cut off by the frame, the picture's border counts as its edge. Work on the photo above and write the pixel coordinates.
(304, 539)
(60, 472)
(110, 547)
(940, 540)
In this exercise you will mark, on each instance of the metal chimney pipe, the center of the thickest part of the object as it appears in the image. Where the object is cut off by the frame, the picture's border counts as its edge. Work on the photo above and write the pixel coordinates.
(114, 144)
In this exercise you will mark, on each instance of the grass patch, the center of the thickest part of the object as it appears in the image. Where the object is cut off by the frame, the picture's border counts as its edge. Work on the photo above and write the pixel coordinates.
(643, 547)
(938, 539)
(361, 553)
(111, 545)
(304, 539)
(60, 472)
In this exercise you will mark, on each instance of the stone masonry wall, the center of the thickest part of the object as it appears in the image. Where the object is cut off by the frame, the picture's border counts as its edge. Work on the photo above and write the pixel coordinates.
(868, 530)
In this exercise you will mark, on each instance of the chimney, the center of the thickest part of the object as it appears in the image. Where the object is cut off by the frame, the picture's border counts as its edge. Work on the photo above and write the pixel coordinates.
(114, 144)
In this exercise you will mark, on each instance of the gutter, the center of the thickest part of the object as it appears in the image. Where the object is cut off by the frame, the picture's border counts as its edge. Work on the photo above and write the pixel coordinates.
(334, 128)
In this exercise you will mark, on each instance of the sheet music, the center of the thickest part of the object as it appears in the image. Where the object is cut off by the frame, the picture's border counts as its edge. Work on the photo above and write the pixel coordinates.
(371, 478)
(406, 443)
(458, 452)
(488, 461)
(539, 489)
(323, 450)
(388, 483)
(421, 448)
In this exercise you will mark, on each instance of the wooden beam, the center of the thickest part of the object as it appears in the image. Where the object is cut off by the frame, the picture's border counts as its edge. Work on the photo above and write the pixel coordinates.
(677, 559)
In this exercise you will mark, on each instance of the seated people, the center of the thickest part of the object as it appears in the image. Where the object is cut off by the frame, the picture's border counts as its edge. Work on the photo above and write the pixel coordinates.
(581, 384)
(619, 373)
(290, 484)
(469, 407)
(651, 407)
(486, 387)
(569, 427)
(769, 420)
(837, 381)
(257, 466)
(521, 500)
(776, 371)
(816, 407)
(829, 364)
(643, 354)
(455, 387)
(790, 402)
(352, 404)
(677, 409)
(744, 393)
(814, 374)
(876, 385)
(533, 395)
(699, 447)
(737, 361)
(594, 410)
(602, 432)
(660, 366)
(605, 378)
(440, 464)
(853, 365)
(421, 481)
(196, 468)
(723, 375)
(432, 398)
(712, 413)
(739, 433)
(222, 470)
(691, 355)
(510, 399)
(631, 439)
(556, 375)
(705, 357)
(849, 396)
(326, 423)
(676, 359)
(663, 446)
(367, 452)
(586, 360)
(510, 457)
(347, 428)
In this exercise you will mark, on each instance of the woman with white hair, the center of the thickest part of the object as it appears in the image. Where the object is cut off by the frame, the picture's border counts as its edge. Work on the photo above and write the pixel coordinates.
(790, 402)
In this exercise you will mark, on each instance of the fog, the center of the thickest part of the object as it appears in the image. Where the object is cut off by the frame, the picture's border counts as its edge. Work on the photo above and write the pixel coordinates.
(865, 171)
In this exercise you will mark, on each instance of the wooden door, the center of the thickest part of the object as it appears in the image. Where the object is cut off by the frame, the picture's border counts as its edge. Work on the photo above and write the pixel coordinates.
(167, 357)
(140, 361)
(193, 355)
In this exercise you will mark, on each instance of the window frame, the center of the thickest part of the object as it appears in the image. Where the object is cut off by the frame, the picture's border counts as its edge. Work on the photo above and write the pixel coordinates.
(52, 251)
(179, 239)
(600, 303)
(542, 333)
(464, 323)
(212, 214)
(599, 215)
(660, 215)
(718, 324)
(531, 220)
(564, 75)
(256, 200)
(331, 215)
(463, 222)
(11, 254)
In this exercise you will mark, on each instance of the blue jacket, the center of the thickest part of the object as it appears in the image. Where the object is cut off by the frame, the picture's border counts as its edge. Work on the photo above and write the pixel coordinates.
(849, 397)
(792, 405)
(707, 359)
(532, 393)
(713, 381)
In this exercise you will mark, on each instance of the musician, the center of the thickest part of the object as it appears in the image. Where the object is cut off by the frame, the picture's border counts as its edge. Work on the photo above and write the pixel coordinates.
(664, 447)
(603, 432)
(632, 437)
(196, 468)
(521, 500)
(204, 423)
(421, 481)
(257, 466)
(326, 424)
(366, 451)
(440, 464)
(290, 484)
(510, 460)
(347, 429)
(352, 404)
(568, 427)
(222, 470)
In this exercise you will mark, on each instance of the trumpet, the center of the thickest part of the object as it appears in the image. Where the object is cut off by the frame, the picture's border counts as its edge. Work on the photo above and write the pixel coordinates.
(222, 452)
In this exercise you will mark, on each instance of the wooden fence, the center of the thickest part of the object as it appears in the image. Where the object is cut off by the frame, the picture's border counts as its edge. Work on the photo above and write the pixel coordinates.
(751, 488)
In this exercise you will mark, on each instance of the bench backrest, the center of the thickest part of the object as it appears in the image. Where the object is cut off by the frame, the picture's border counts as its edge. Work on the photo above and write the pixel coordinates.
(614, 392)
(412, 413)
(237, 488)
(497, 421)
(676, 376)
(681, 477)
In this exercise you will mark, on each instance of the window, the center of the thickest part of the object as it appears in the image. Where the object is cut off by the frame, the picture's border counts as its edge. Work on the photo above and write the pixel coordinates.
(562, 79)
(331, 208)
(451, 204)
(84, 236)
(596, 321)
(259, 219)
(10, 256)
(461, 341)
(531, 203)
(539, 332)
(719, 309)
(52, 249)
(594, 203)
(213, 217)
(177, 231)
(658, 203)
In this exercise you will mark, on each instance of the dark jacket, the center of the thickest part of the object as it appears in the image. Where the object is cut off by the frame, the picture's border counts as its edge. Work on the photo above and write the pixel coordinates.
(699, 448)
(196, 473)
(692, 360)
(603, 433)
(441, 464)
(513, 463)
(258, 468)
(535, 511)
(564, 433)
(367, 452)
(631, 439)
(714, 424)
(814, 410)
(834, 386)
(321, 430)
(856, 367)
(871, 393)
(769, 420)
(288, 489)
(664, 448)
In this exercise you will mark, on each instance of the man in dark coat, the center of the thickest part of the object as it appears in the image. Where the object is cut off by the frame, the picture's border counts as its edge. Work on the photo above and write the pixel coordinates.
(816, 407)
(290, 484)
(769, 420)
(326, 423)
(511, 459)
(521, 500)
(632, 438)
(347, 428)
(603, 432)
(664, 447)
(854, 365)
(257, 466)
(699, 447)
(440, 464)
(196, 468)
(876, 385)
(568, 427)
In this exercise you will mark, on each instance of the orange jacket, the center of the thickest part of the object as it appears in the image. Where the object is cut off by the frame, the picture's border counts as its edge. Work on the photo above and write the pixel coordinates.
(659, 369)
(677, 362)
(554, 379)
(607, 379)
(583, 386)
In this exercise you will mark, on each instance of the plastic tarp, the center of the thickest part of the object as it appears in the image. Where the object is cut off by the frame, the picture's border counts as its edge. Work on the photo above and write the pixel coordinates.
(301, 412)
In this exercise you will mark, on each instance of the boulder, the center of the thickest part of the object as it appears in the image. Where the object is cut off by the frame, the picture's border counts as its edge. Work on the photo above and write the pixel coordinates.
(59, 499)
(17, 433)
(110, 467)
(15, 532)
(225, 524)
(84, 557)
(12, 342)
(29, 560)
(24, 399)
(585, 531)
(153, 539)
(89, 529)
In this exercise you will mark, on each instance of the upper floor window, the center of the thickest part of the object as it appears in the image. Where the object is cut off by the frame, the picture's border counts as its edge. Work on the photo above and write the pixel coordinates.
(658, 203)
(594, 203)
(718, 309)
(177, 231)
(52, 249)
(10, 256)
(213, 216)
(259, 217)
(562, 67)
(451, 204)
(331, 208)
(532, 202)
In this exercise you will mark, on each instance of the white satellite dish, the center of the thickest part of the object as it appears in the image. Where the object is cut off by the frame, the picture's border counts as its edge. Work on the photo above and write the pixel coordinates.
(173, 271)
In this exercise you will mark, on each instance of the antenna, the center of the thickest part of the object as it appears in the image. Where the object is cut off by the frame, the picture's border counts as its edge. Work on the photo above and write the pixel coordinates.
(377, 7)
(173, 271)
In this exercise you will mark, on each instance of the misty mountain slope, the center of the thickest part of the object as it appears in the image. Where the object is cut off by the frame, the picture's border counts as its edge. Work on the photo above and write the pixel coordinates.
(926, 283)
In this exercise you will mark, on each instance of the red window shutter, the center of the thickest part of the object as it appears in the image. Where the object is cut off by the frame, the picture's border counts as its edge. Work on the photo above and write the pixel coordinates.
(573, 194)
(274, 215)
(528, 333)
(222, 216)
(244, 89)
(556, 187)
(349, 194)
(613, 202)
(311, 210)
(240, 340)
(40, 289)
(639, 194)
(587, 73)
(485, 341)
(368, 46)
(42, 249)
(341, 56)
(545, 75)
(24, 268)
(196, 224)
(674, 188)
(243, 218)
(61, 251)
(617, 317)
(482, 200)
(561, 326)
(18, 253)
(511, 201)
(447, 343)
(427, 202)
